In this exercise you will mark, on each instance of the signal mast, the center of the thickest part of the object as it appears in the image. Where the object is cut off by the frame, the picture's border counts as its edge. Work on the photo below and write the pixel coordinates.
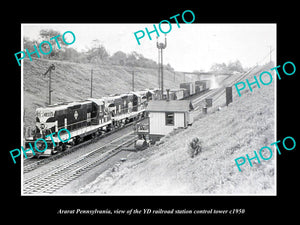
(160, 47)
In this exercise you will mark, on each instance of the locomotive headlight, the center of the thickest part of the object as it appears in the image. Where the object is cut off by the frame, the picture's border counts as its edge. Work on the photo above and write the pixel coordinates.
(42, 126)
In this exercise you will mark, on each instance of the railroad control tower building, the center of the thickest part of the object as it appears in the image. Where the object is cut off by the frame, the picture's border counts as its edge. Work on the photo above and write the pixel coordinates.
(165, 116)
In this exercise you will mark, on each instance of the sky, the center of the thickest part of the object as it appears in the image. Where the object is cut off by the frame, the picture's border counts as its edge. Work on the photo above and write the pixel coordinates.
(190, 47)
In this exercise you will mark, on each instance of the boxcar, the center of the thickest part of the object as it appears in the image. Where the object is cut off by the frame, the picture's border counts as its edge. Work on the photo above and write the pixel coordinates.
(178, 94)
(203, 84)
(190, 86)
(186, 92)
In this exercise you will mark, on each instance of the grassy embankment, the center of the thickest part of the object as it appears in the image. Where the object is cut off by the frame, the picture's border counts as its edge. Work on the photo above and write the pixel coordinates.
(71, 82)
(244, 126)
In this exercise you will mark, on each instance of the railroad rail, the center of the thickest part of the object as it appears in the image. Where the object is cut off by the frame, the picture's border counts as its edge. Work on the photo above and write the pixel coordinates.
(59, 175)
(33, 163)
(218, 92)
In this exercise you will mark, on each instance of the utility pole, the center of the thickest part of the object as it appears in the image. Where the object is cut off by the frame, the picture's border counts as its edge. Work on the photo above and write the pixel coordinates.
(132, 80)
(91, 83)
(270, 52)
(52, 67)
(160, 47)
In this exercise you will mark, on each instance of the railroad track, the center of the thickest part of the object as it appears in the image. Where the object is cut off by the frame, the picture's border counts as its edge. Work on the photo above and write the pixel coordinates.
(217, 93)
(33, 163)
(59, 175)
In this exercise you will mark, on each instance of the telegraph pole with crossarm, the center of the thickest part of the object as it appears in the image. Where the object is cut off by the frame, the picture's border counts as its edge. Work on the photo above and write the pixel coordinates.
(52, 67)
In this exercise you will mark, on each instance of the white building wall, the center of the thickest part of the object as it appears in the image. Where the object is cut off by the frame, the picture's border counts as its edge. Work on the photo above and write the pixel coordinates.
(158, 123)
(179, 94)
(179, 120)
(190, 117)
(193, 88)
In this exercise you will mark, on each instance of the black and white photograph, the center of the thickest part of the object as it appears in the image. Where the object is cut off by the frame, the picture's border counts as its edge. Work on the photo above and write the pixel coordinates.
(179, 110)
(141, 111)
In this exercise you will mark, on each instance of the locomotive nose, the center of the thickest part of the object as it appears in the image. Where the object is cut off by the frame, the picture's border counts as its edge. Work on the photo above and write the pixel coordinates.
(42, 126)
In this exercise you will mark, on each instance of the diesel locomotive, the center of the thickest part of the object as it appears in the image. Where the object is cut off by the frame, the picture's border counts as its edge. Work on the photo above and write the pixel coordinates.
(93, 117)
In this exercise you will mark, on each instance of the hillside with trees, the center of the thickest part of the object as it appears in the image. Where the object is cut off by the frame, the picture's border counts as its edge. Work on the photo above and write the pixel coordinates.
(231, 67)
(71, 79)
(95, 53)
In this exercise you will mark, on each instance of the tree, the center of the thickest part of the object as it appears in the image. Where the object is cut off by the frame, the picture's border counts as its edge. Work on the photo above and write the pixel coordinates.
(169, 67)
(131, 59)
(45, 35)
(219, 67)
(194, 147)
(70, 54)
(136, 59)
(97, 53)
(119, 58)
(235, 66)
(28, 44)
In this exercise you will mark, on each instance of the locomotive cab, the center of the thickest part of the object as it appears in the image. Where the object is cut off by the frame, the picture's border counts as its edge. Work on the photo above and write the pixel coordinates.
(45, 121)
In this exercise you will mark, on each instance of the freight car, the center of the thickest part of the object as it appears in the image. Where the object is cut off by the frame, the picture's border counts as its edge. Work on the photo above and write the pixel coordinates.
(191, 88)
(176, 94)
(202, 85)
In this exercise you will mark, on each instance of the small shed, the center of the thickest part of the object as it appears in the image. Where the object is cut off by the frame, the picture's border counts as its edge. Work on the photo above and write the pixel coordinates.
(165, 116)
